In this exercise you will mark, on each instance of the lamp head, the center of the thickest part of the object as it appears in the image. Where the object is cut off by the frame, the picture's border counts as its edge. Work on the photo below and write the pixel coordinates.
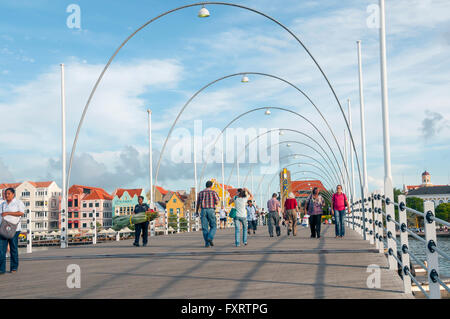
(245, 79)
(203, 13)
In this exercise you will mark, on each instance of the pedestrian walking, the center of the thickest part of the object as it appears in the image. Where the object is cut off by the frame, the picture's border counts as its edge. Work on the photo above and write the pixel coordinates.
(141, 207)
(11, 212)
(252, 218)
(313, 206)
(290, 214)
(240, 202)
(273, 217)
(207, 200)
(339, 202)
(223, 217)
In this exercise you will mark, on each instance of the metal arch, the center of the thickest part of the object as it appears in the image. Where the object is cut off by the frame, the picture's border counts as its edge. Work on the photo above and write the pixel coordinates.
(238, 74)
(303, 171)
(297, 142)
(272, 130)
(327, 174)
(276, 108)
(304, 155)
(192, 5)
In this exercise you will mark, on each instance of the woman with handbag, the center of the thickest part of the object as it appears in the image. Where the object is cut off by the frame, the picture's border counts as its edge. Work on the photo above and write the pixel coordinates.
(240, 202)
(11, 212)
(313, 206)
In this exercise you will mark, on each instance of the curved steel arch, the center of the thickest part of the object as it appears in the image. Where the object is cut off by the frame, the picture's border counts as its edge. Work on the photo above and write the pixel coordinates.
(330, 194)
(287, 156)
(230, 76)
(272, 130)
(325, 172)
(297, 142)
(274, 108)
(302, 171)
(184, 7)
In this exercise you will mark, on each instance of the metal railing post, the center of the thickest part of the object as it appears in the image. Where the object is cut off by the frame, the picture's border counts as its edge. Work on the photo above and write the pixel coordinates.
(371, 219)
(29, 234)
(178, 222)
(432, 255)
(197, 223)
(94, 237)
(404, 242)
(188, 221)
(166, 223)
(379, 217)
(152, 229)
(390, 226)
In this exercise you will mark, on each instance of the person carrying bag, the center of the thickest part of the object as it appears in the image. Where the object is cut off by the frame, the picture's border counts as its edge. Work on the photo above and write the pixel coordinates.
(11, 212)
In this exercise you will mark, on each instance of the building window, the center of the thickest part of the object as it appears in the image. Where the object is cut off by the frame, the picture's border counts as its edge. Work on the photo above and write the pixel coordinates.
(84, 215)
(174, 200)
(84, 225)
(97, 205)
(75, 214)
(97, 215)
(90, 205)
(84, 205)
(70, 226)
(70, 214)
(171, 210)
(75, 225)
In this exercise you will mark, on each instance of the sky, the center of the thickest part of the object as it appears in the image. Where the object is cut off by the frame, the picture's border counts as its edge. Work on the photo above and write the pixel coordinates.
(166, 62)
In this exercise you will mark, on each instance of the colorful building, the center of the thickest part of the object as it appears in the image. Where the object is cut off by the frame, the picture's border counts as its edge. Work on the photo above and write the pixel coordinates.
(124, 200)
(100, 203)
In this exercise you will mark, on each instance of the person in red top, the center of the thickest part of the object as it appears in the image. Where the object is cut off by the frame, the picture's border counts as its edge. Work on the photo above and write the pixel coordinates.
(290, 214)
(339, 201)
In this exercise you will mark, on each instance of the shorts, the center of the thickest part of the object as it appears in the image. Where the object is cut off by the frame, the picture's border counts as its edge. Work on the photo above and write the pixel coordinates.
(223, 219)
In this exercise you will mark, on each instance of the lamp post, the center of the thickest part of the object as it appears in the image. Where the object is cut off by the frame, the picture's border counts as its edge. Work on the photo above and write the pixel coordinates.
(150, 168)
(388, 191)
(64, 186)
(351, 151)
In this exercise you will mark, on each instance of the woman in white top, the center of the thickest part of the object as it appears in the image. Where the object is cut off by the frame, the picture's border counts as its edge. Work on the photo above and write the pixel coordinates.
(11, 210)
(240, 203)
(223, 217)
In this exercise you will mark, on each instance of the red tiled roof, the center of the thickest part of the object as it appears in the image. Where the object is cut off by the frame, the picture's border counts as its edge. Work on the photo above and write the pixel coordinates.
(305, 186)
(97, 194)
(132, 192)
(78, 190)
(40, 184)
(9, 185)
(161, 190)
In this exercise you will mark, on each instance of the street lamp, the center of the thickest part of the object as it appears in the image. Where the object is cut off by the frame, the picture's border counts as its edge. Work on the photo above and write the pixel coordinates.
(245, 79)
(281, 132)
(267, 112)
(203, 13)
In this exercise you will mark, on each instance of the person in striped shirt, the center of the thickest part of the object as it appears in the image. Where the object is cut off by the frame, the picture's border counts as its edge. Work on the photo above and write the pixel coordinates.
(207, 200)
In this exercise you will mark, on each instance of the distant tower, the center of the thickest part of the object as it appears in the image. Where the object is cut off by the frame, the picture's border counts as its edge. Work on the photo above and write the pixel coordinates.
(426, 179)
(285, 185)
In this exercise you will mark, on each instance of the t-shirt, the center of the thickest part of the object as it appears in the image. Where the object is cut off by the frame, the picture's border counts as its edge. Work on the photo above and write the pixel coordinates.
(339, 201)
(240, 204)
(222, 213)
(14, 206)
(251, 213)
(290, 203)
(273, 205)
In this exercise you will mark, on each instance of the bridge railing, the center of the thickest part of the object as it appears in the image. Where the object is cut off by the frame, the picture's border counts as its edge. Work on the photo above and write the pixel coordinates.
(379, 231)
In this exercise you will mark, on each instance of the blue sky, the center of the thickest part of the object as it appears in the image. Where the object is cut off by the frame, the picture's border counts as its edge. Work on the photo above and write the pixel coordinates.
(164, 64)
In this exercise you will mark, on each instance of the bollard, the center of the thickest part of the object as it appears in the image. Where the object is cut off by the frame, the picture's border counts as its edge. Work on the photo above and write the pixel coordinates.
(432, 255)
(178, 222)
(94, 218)
(404, 242)
(166, 223)
(117, 236)
(29, 235)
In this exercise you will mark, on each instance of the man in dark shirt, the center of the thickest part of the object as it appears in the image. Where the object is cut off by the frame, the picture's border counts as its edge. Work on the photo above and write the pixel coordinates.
(140, 208)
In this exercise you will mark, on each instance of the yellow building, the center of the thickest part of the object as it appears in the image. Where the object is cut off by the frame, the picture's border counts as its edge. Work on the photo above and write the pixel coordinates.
(175, 205)
(229, 193)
